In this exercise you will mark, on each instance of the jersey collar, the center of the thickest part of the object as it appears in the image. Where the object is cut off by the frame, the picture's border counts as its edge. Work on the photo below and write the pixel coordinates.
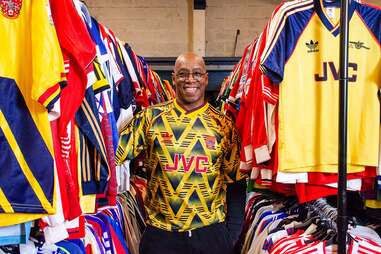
(333, 28)
(197, 110)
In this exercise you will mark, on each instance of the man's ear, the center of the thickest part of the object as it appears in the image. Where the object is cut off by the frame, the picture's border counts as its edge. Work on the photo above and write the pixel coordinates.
(173, 78)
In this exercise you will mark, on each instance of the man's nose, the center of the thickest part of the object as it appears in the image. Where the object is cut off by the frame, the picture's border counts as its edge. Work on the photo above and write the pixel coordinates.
(190, 78)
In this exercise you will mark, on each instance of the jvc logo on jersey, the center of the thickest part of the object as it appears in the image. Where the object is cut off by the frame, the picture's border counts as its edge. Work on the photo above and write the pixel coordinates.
(312, 46)
(358, 45)
(198, 162)
(352, 69)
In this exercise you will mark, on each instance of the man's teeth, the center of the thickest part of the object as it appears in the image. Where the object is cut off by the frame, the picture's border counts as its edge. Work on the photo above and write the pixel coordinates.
(190, 89)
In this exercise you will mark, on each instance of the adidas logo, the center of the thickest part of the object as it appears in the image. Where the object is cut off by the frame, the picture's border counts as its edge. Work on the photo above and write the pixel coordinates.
(312, 46)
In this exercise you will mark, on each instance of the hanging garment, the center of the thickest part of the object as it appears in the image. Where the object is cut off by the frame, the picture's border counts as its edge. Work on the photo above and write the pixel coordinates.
(310, 90)
(29, 47)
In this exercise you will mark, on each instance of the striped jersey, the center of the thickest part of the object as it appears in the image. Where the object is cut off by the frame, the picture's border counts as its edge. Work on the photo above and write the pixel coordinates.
(302, 56)
(189, 158)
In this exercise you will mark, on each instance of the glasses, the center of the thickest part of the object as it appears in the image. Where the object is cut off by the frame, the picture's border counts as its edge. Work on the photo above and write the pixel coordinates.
(185, 75)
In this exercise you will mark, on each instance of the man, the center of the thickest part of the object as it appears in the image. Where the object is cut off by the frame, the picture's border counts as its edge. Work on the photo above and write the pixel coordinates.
(191, 151)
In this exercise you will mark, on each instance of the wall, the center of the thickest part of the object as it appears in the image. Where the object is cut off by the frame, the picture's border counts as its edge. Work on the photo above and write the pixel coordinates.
(151, 27)
(163, 28)
(224, 17)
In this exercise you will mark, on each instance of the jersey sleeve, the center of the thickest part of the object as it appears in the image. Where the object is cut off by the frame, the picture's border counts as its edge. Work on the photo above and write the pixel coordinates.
(371, 16)
(273, 63)
(283, 33)
(133, 138)
(231, 159)
(46, 55)
(99, 82)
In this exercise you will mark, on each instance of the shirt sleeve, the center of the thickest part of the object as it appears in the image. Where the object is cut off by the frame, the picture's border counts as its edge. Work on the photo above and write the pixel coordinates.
(232, 155)
(282, 36)
(133, 139)
(46, 55)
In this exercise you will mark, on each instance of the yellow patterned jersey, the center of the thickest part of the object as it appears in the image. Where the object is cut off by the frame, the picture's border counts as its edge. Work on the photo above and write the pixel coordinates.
(189, 158)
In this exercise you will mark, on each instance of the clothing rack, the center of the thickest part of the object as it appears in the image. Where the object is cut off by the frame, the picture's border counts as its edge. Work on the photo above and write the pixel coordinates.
(342, 220)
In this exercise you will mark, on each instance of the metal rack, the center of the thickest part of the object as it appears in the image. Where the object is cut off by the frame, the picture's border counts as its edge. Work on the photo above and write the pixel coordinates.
(342, 219)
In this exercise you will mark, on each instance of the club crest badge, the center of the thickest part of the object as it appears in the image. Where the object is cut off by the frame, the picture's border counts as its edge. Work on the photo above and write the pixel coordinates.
(10, 8)
(210, 142)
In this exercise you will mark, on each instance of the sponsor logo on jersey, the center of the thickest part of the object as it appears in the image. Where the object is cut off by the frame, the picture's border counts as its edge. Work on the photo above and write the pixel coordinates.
(312, 46)
(10, 8)
(330, 67)
(358, 45)
(198, 162)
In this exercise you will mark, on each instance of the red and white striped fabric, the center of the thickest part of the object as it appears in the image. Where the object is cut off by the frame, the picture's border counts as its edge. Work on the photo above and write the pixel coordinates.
(361, 245)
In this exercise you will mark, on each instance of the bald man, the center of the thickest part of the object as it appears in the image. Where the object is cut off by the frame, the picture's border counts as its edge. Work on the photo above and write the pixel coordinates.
(190, 91)
(191, 154)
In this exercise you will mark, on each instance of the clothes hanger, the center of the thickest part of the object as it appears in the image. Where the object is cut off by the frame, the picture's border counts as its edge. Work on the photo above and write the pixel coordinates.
(330, 237)
(305, 224)
(321, 231)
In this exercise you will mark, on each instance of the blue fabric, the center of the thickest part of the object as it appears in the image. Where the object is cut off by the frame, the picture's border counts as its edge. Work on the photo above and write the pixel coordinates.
(371, 17)
(37, 155)
(70, 247)
(94, 32)
(79, 243)
(106, 234)
(99, 241)
(268, 221)
(116, 226)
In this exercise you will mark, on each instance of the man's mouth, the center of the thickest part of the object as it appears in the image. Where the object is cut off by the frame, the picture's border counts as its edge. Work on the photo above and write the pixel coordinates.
(190, 89)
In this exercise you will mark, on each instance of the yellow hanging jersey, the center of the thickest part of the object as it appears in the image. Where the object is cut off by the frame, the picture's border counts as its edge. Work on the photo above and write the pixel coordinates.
(302, 56)
(30, 69)
(189, 158)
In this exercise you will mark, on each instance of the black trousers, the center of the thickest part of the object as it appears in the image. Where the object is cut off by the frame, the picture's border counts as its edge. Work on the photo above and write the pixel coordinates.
(213, 239)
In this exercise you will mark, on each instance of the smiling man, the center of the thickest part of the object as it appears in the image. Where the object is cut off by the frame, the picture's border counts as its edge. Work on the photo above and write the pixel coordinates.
(191, 153)
(190, 79)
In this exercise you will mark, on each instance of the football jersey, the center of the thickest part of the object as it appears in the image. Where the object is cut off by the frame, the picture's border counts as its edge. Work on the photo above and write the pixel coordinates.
(189, 158)
(302, 56)
(79, 51)
(30, 70)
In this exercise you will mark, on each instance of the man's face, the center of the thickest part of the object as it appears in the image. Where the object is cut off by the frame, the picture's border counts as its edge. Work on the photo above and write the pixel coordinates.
(190, 79)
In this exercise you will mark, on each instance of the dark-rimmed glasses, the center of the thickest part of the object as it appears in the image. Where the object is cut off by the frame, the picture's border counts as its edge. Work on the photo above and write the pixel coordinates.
(185, 75)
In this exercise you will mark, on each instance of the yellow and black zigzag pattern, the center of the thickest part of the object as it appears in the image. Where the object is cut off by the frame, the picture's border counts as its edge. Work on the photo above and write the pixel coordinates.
(190, 157)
